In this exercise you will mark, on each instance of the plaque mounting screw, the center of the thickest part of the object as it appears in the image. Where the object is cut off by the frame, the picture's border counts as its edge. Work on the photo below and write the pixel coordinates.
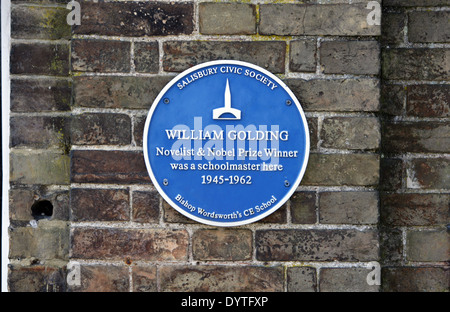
(166, 101)
(165, 182)
(288, 102)
(286, 183)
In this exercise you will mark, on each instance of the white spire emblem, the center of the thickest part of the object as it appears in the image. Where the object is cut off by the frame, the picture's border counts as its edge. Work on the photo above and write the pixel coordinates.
(227, 109)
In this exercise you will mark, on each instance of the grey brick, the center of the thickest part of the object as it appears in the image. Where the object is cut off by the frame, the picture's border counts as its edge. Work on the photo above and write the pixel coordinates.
(345, 280)
(316, 245)
(348, 207)
(415, 64)
(350, 57)
(316, 19)
(181, 55)
(302, 55)
(426, 26)
(227, 18)
(118, 92)
(350, 133)
(342, 169)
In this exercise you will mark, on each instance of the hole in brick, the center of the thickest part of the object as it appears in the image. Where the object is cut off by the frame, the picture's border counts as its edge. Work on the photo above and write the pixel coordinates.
(42, 209)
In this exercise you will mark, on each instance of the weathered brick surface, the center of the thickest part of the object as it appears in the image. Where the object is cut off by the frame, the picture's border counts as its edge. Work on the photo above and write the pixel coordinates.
(33, 22)
(345, 280)
(173, 216)
(133, 244)
(429, 173)
(133, 19)
(342, 169)
(301, 279)
(99, 205)
(411, 209)
(227, 18)
(345, 207)
(416, 137)
(218, 244)
(98, 129)
(279, 216)
(429, 26)
(40, 59)
(117, 91)
(316, 19)
(146, 57)
(210, 278)
(144, 279)
(44, 95)
(102, 278)
(47, 241)
(44, 168)
(303, 207)
(108, 167)
(392, 175)
(180, 55)
(392, 99)
(350, 57)
(351, 133)
(91, 55)
(391, 246)
(336, 94)
(316, 245)
(428, 100)
(39, 132)
(37, 278)
(302, 55)
(416, 64)
(146, 207)
(393, 27)
(415, 279)
(428, 245)
(22, 199)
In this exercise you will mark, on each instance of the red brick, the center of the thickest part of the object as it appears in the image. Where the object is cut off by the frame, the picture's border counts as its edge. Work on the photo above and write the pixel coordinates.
(100, 205)
(37, 278)
(129, 244)
(146, 207)
(429, 173)
(144, 279)
(428, 100)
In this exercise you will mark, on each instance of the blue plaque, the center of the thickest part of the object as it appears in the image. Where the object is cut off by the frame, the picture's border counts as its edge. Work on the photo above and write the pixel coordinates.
(226, 143)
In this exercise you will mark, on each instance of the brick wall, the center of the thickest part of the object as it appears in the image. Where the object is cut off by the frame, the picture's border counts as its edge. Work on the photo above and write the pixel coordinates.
(80, 97)
(415, 146)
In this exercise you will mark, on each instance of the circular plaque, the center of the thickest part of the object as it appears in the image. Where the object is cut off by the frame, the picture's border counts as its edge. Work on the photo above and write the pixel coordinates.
(226, 143)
